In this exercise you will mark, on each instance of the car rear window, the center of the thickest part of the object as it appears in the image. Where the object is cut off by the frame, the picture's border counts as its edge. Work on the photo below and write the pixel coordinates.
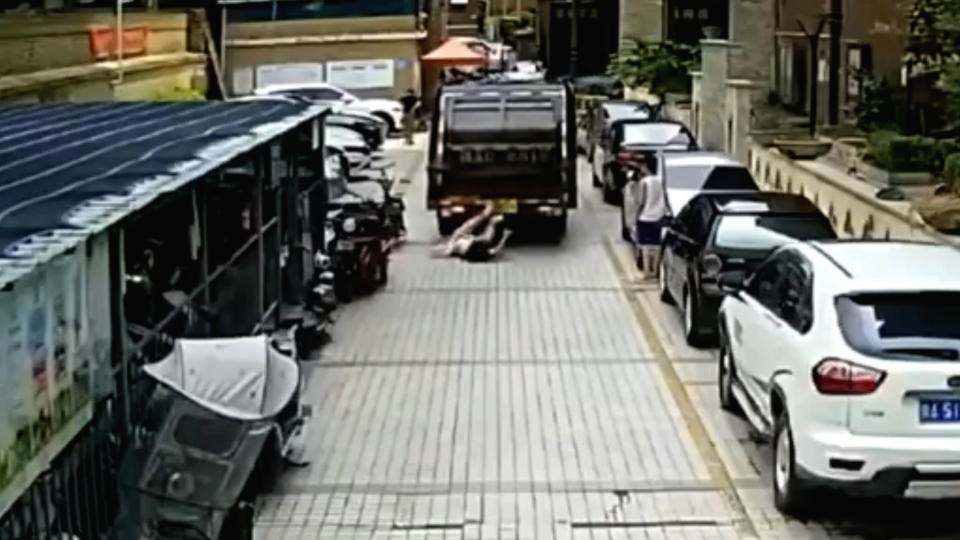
(659, 134)
(709, 177)
(628, 110)
(761, 234)
(915, 325)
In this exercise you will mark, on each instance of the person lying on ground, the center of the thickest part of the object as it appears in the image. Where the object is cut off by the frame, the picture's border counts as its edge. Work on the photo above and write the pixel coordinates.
(467, 244)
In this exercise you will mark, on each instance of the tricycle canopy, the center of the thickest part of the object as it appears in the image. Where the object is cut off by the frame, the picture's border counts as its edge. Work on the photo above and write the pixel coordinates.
(244, 378)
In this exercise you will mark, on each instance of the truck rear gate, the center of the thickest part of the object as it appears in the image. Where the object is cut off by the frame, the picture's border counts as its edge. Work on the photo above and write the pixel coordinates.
(509, 143)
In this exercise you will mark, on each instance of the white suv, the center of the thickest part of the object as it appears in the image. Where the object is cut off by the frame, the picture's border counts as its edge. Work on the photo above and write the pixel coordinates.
(846, 355)
(388, 110)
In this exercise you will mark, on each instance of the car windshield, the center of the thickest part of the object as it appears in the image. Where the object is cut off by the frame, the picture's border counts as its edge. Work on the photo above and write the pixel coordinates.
(910, 325)
(658, 134)
(759, 235)
(710, 177)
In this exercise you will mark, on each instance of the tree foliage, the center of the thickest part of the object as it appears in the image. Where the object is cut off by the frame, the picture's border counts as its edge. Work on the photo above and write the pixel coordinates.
(662, 67)
(877, 106)
(934, 32)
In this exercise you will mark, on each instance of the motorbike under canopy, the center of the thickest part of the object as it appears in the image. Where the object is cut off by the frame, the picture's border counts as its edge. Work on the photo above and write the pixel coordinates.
(216, 431)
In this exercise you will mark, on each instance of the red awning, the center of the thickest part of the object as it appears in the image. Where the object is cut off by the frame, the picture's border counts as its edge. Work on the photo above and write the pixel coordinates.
(454, 53)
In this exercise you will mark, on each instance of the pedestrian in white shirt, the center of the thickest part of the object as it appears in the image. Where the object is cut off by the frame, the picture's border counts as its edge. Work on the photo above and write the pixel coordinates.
(651, 217)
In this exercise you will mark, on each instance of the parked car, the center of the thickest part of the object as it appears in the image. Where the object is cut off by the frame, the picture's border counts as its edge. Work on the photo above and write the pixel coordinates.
(374, 131)
(601, 119)
(687, 174)
(728, 231)
(845, 355)
(636, 141)
(388, 110)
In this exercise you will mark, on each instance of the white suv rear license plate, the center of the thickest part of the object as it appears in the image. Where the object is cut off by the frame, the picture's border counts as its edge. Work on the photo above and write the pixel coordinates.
(939, 410)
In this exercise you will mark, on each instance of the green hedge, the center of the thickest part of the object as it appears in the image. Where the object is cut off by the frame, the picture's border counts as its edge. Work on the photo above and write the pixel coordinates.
(895, 152)
(951, 170)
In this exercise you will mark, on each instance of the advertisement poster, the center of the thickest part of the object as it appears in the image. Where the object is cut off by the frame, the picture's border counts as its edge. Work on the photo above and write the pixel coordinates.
(97, 314)
(270, 74)
(36, 314)
(45, 389)
(355, 74)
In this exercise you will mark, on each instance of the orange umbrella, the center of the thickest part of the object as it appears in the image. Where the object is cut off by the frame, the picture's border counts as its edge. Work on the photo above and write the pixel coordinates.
(454, 53)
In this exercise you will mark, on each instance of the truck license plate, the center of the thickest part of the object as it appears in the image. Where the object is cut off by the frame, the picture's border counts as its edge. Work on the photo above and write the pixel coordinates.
(505, 206)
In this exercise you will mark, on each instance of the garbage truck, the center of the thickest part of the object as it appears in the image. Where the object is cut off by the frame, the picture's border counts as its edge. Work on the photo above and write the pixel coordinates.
(512, 144)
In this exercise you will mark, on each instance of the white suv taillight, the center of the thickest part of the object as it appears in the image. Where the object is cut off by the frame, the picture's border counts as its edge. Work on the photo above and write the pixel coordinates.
(833, 376)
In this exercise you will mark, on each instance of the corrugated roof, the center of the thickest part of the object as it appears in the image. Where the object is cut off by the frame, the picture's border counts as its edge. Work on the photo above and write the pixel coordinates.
(70, 170)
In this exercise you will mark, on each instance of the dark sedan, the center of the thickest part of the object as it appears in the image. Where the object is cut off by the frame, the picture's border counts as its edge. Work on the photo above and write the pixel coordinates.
(728, 231)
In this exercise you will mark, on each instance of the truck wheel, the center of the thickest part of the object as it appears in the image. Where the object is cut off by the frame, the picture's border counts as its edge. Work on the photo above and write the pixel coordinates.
(558, 228)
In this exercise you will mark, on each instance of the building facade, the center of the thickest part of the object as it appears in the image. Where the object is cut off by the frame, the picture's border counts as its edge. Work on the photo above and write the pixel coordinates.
(597, 32)
(72, 56)
(368, 47)
(874, 41)
(681, 21)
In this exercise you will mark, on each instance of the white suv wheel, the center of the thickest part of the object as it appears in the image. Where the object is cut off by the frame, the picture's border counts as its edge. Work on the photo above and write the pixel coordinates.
(790, 494)
(727, 401)
(782, 466)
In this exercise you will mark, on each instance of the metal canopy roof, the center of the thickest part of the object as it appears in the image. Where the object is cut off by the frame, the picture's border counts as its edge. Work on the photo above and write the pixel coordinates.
(69, 170)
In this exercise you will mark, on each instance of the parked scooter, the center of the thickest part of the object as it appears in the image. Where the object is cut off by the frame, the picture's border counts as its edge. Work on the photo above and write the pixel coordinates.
(356, 242)
(393, 207)
(225, 415)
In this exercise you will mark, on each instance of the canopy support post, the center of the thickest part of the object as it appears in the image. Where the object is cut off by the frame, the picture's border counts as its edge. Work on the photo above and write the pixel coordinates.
(118, 326)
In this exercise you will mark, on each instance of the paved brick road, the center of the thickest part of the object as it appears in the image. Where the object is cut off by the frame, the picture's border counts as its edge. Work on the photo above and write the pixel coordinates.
(545, 395)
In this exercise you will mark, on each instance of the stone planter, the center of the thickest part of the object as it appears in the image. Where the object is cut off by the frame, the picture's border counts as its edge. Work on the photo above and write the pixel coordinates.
(802, 149)
(847, 153)
(766, 136)
(875, 175)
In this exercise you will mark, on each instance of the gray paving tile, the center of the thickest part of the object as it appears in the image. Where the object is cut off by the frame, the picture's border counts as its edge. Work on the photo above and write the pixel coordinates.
(501, 400)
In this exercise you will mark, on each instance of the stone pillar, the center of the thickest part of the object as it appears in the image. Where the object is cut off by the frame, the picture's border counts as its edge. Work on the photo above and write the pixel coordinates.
(713, 93)
(696, 102)
(752, 28)
(641, 20)
(741, 95)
